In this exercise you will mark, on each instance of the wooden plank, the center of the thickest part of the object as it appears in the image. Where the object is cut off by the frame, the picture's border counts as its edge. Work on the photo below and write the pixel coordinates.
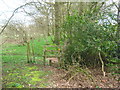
(51, 56)
(53, 59)
(52, 50)
(53, 46)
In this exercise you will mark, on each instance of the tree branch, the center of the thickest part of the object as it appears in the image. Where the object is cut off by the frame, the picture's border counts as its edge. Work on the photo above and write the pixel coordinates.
(14, 13)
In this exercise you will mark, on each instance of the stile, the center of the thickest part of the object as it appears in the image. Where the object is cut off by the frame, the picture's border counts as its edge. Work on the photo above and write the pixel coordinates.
(51, 58)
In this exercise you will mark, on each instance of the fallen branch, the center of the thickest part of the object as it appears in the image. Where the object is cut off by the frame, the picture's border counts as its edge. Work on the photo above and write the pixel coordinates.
(102, 64)
(72, 77)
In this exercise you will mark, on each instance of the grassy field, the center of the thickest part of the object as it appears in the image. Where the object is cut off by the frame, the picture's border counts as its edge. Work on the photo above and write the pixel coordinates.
(17, 72)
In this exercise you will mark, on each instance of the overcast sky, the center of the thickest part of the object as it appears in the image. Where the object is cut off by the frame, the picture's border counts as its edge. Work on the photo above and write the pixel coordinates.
(7, 7)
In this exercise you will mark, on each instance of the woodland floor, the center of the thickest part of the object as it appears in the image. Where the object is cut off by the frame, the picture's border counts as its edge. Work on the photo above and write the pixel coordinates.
(58, 78)
(83, 81)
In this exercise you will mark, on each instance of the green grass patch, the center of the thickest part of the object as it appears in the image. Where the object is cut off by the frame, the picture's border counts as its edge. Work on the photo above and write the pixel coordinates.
(20, 49)
(17, 73)
(25, 76)
(13, 58)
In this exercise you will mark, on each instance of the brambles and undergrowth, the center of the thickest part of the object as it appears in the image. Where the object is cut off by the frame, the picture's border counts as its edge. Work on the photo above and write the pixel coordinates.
(90, 43)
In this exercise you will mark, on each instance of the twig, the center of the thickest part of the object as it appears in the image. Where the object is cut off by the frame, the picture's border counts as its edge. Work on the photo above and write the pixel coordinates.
(72, 77)
(115, 4)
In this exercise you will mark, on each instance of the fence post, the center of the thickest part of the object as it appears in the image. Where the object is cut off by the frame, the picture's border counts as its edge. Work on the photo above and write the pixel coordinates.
(44, 52)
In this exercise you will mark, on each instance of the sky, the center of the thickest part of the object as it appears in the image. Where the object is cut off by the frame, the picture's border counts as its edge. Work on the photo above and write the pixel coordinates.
(8, 6)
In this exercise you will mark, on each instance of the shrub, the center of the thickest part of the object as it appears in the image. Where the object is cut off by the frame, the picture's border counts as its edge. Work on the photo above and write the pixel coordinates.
(86, 38)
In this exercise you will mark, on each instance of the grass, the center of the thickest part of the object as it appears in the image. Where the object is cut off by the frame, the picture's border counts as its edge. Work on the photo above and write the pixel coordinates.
(21, 50)
(26, 76)
(17, 72)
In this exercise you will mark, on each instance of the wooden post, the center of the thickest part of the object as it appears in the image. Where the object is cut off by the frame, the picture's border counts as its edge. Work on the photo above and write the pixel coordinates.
(33, 55)
(59, 56)
(44, 53)
(28, 53)
(59, 61)
(50, 62)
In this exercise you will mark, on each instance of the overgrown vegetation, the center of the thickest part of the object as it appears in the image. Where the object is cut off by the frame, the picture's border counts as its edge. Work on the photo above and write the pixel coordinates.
(88, 34)
(89, 41)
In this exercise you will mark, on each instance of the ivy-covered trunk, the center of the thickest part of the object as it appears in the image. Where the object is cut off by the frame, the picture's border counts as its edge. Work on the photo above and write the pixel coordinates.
(118, 29)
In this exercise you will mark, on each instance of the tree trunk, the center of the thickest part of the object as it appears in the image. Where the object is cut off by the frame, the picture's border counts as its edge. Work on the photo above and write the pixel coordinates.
(118, 29)
(57, 22)
(118, 20)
